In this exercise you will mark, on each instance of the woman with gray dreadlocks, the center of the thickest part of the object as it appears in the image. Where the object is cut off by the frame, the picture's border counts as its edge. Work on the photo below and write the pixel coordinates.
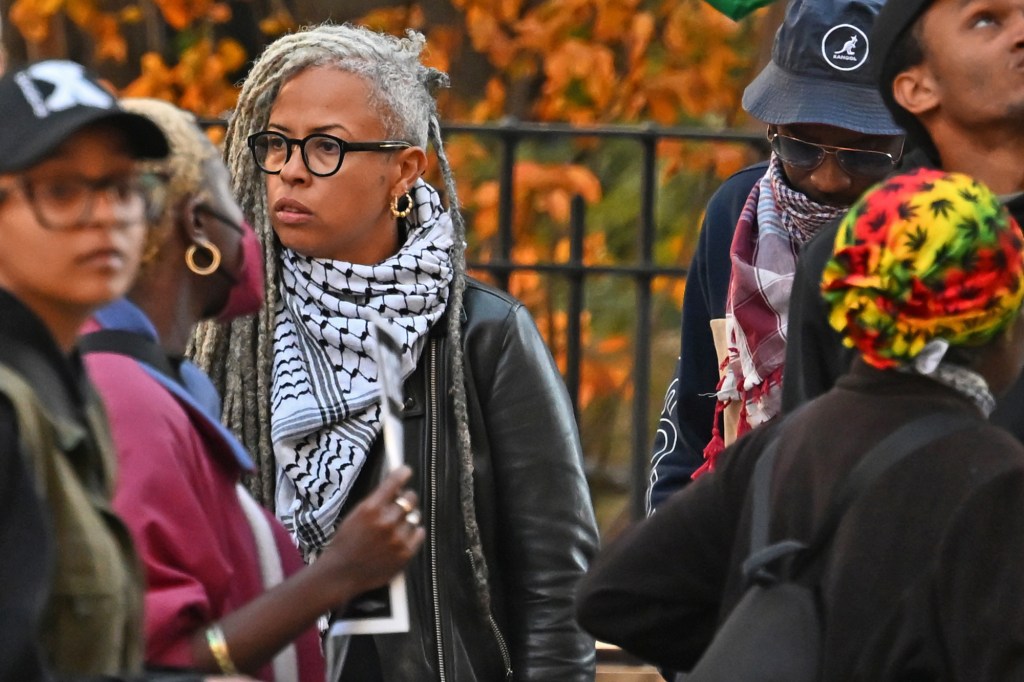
(326, 150)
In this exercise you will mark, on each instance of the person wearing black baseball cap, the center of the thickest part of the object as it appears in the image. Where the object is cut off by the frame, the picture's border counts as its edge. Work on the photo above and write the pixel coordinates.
(831, 138)
(952, 74)
(73, 211)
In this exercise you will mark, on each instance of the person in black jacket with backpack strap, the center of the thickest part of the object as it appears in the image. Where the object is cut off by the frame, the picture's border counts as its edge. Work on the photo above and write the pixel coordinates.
(925, 573)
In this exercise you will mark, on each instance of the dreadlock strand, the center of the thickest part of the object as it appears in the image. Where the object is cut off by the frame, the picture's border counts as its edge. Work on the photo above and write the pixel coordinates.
(262, 370)
(458, 388)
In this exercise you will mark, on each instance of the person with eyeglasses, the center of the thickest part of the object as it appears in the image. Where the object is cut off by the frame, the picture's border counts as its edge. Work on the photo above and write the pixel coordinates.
(962, 111)
(73, 213)
(226, 589)
(831, 138)
(326, 148)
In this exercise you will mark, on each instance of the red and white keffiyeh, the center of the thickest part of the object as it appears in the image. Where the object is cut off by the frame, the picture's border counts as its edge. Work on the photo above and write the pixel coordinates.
(774, 223)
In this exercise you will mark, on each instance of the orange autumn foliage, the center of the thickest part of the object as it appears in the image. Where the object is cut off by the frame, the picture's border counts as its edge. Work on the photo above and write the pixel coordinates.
(198, 82)
(34, 19)
(197, 79)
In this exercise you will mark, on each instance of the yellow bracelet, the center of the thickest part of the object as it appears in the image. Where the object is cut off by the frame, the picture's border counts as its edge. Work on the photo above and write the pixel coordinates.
(219, 648)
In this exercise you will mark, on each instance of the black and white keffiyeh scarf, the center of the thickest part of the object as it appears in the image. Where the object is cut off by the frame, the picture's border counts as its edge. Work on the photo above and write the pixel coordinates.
(325, 403)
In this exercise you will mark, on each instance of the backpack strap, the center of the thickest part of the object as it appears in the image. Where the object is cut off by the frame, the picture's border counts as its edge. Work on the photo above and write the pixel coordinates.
(761, 503)
(42, 376)
(762, 555)
(892, 449)
(133, 345)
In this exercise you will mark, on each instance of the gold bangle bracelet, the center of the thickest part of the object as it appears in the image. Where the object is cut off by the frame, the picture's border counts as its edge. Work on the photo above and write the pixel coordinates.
(219, 648)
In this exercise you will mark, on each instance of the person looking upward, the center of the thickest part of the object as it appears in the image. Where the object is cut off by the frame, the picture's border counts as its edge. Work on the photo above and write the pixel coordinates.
(950, 74)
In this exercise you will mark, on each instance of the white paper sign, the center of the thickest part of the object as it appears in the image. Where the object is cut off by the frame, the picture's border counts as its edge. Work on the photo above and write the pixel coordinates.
(386, 609)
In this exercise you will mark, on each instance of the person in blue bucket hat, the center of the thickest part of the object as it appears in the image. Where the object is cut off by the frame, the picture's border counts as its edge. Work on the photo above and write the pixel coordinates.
(831, 138)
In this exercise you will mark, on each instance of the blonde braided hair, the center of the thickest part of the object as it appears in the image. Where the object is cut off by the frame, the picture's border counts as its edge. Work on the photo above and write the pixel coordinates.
(185, 167)
(239, 356)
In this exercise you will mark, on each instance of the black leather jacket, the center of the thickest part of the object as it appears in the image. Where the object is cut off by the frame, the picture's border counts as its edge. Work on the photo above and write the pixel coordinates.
(533, 509)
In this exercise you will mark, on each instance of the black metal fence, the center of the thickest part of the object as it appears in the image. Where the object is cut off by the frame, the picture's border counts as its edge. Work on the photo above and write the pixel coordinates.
(510, 136)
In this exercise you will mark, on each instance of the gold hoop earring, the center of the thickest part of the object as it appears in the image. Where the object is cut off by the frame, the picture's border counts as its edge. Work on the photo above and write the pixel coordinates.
(203, 270)
(401, 213)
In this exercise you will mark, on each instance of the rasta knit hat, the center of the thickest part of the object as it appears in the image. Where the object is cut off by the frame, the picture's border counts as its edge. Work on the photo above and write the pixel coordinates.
(924, 256)
(820, 70)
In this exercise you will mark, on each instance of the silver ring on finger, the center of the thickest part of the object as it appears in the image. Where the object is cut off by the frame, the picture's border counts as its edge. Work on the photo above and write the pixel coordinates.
(405, 505)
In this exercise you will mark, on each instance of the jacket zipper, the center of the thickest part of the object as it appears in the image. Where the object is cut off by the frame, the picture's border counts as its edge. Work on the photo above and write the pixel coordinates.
(504, 648)
(506, 658)
(434, 410)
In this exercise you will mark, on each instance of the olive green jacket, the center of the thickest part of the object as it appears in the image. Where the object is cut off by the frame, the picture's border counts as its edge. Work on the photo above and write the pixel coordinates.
(93, 621)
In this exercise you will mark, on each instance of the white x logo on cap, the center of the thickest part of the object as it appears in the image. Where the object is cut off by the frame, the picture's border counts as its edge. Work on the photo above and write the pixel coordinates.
(70, 88)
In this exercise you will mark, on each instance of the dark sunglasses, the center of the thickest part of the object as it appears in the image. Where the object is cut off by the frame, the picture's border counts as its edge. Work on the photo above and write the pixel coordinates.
(807, 156)
(321, 153)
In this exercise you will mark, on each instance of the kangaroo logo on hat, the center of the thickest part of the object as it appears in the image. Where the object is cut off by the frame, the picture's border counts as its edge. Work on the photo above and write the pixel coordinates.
(845, 47)
(70, 88)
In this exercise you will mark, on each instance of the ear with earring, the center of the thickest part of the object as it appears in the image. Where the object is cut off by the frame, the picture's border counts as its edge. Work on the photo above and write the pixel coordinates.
(214, 257)
(199, 242)
(401, 212)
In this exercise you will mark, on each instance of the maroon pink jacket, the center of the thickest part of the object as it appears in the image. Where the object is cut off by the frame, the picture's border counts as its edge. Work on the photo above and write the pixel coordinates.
(176, 490)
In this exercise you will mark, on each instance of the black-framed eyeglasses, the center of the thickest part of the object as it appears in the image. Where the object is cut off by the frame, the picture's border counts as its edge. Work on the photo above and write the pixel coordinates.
(807, 156)
(64, 203)
(321, 153)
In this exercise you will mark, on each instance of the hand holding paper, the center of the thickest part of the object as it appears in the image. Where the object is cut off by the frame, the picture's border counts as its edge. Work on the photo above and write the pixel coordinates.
(385, 610)
(376, 540)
